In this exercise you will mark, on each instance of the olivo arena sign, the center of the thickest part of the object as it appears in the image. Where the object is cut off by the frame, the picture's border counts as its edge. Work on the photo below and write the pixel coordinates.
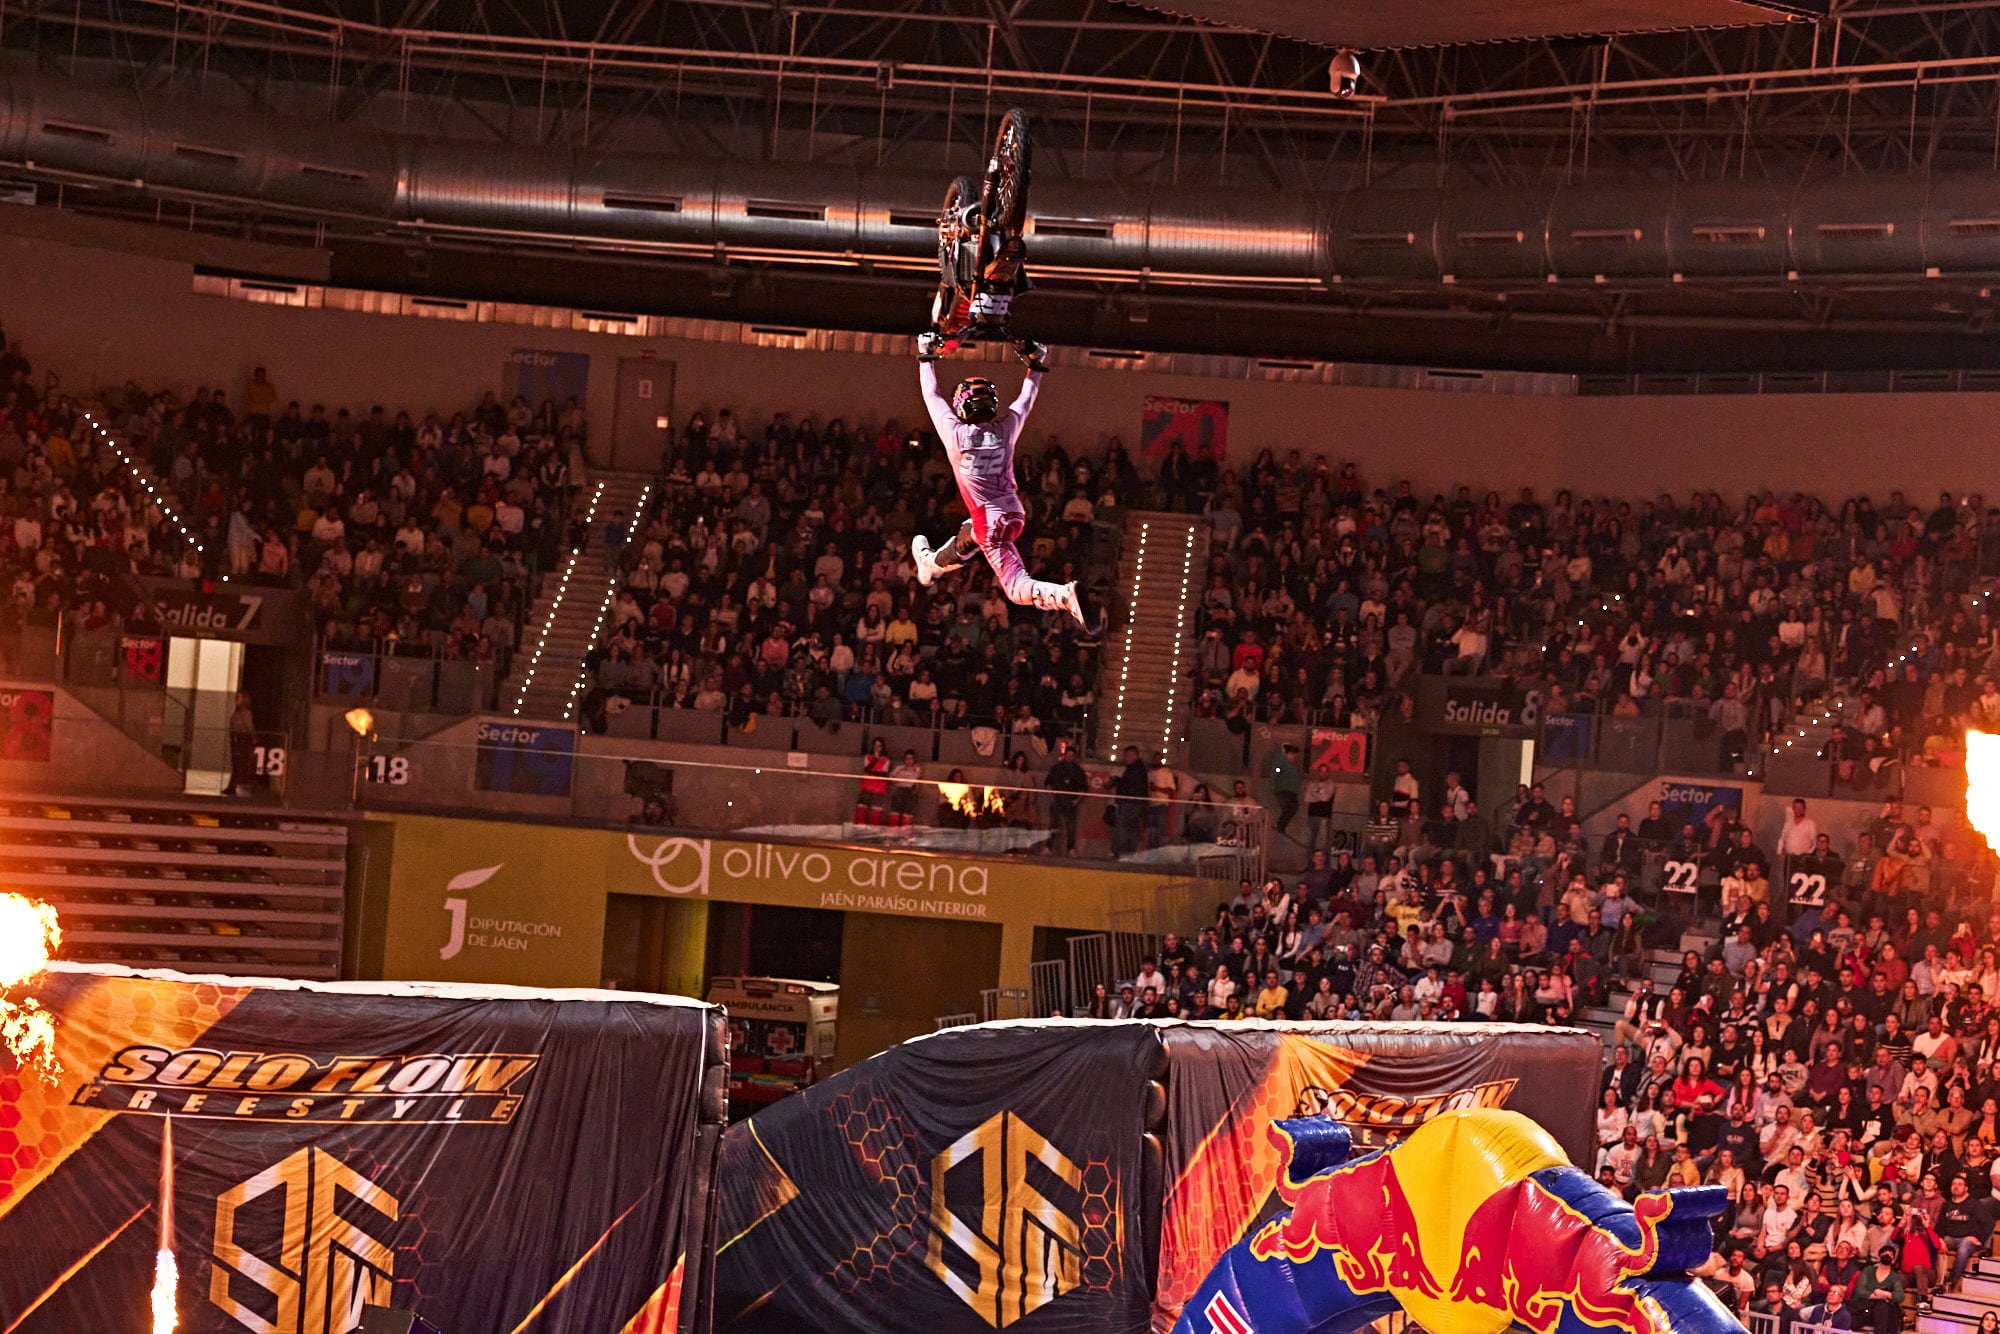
(867, 881)
(499, 901)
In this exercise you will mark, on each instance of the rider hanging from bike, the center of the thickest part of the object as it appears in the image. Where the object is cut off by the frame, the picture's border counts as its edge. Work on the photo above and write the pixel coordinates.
(981, 253)
(979, 440)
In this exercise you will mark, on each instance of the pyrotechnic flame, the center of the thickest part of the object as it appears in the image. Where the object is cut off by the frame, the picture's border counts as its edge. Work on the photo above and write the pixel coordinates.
(166, 1278)
(29, 936)
(1982, 785)
(166, 1273)
(962, 797)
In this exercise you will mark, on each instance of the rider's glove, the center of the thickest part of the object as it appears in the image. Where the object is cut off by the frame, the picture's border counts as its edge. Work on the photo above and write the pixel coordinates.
(1033, 355)
(927, 347)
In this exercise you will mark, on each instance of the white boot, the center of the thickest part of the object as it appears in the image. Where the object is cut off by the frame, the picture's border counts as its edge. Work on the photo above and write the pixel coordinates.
(920, 549)
(1060, 597)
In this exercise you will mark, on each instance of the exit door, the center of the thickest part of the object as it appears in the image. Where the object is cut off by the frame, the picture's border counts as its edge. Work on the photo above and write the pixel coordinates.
(642, 422)
(203, 676)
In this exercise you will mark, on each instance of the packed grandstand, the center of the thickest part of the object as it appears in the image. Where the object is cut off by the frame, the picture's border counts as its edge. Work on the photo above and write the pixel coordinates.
(411, 774)
(1836, 1068)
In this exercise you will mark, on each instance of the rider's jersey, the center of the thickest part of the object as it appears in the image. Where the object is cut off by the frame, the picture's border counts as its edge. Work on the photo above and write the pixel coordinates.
(981, 454)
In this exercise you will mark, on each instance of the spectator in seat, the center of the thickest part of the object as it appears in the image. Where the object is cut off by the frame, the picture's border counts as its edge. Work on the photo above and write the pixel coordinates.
(1878, 1294)
(1965, 1224)
(1831, 1313)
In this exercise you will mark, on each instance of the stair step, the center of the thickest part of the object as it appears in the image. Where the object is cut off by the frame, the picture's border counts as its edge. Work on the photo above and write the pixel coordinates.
(1984, 1289)
(1931, 1322)
(1964, 1307)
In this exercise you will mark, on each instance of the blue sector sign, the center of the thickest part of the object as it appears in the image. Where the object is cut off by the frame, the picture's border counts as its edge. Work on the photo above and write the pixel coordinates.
(524, 758)
(1690, 803)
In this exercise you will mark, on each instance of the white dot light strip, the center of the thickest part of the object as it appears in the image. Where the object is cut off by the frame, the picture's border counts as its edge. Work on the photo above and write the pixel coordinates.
(562, 591)
(1839, 706)
(603, 610)
(158, 495)
(1174, 682)
(1125, 663)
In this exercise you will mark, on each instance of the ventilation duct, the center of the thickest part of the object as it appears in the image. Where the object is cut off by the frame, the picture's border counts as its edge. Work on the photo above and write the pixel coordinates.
(1650, 231)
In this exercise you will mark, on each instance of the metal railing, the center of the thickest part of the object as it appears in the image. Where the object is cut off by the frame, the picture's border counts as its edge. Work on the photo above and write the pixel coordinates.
(1004, 1003)
(982, 809)
(1109, 959)
(1090, 968)
(1131, 942)
(1665, 736)
(418, 679)
(654, 716)
(1759, 1322)
(1048, 987)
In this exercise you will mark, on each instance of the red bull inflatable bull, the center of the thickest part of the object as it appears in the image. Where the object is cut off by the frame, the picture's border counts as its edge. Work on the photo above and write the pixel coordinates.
(1475, 1224)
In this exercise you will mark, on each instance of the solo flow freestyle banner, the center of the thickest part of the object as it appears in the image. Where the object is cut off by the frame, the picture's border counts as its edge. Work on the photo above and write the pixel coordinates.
(498, 1161)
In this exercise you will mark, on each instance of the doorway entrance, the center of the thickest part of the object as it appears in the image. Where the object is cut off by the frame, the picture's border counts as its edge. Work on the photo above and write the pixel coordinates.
(642, 420)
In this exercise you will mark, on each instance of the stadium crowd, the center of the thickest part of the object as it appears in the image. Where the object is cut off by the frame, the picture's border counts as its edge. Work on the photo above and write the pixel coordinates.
(1832, 1058)
(1833, 1061)
(408, 535)
(773, 576)
(1325, 596)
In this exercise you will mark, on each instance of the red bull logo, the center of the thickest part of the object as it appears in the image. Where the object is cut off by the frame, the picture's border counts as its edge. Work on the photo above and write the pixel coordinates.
(1486, 1197)
(1360, 1213)
(1530, 1254)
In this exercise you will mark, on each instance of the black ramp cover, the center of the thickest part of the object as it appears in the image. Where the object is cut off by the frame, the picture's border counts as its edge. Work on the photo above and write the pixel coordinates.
(1373, 26)
(979, 1178)
(496, 1160)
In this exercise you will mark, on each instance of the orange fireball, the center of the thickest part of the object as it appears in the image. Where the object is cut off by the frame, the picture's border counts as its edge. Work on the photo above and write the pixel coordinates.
(29, 937)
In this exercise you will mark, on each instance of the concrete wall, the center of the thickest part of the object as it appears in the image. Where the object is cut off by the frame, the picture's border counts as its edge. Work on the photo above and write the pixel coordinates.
(1841, 818)
(737, 786)
(892, 987)
(87, 754)
(99, 317)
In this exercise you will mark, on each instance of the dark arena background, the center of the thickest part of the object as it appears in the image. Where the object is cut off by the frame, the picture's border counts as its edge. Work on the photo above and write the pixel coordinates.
(932, 666)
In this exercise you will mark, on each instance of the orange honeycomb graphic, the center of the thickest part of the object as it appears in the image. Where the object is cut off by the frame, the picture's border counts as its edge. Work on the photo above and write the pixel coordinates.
(890, 1155)
(1102, 1260)
(893, 1159)
(95, 1017)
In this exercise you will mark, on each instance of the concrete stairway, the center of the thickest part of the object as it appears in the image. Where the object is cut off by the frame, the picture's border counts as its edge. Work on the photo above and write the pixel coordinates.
(1960, 1312)
(1810, 730)
(206, 887)
(568, 618)
(1663, 966)
(1142, 694)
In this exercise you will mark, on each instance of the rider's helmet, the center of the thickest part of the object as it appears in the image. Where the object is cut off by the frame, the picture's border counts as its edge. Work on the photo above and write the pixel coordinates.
(976, 401)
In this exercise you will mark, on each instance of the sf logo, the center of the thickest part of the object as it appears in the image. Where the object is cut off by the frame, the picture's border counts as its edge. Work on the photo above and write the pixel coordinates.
(322, 1250)
(1005, 1229)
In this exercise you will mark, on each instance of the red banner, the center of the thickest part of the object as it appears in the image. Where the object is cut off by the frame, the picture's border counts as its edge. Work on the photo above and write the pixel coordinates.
(1341, 752)
(145, 657)
(27, 719)
(1198, 426)
(1229, 1082)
